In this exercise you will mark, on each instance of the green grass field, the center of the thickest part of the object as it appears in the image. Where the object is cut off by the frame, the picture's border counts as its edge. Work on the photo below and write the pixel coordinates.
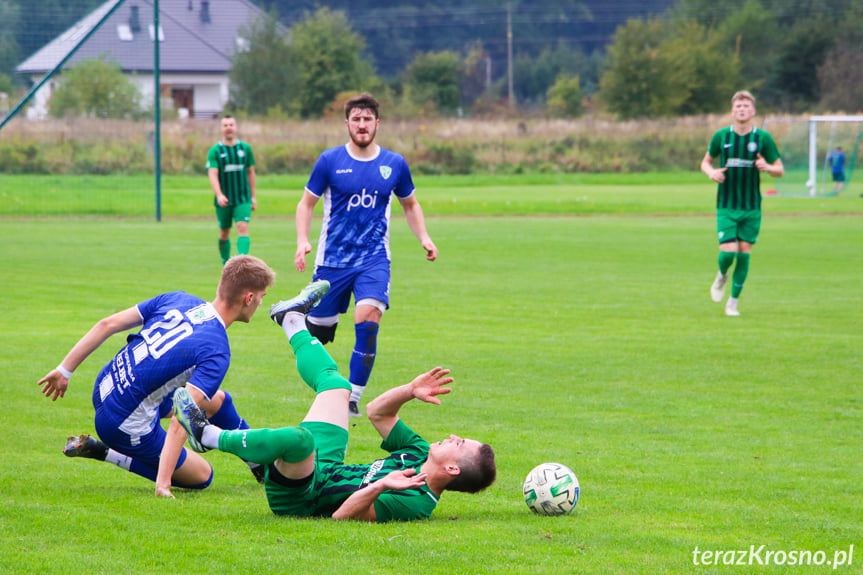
(590, 341)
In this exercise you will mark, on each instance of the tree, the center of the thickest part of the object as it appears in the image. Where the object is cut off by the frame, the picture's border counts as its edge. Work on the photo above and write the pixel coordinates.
(474, 74)
(710, 70)
(279, 87)
(329, 56)
(639, 79)
(840, 79)
(95, 88)
(9, 24)
(752, 33)
(792, 83)
(533, 76)
(564, 97)
(434, 79)
(659, 68)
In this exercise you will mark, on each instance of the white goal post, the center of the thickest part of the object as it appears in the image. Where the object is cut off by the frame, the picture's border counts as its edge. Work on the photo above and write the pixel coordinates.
(805, 143)
(812, 182)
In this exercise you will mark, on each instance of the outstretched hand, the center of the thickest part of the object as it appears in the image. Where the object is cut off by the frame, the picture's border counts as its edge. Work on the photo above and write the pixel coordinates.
(428, 385)
(54, 383)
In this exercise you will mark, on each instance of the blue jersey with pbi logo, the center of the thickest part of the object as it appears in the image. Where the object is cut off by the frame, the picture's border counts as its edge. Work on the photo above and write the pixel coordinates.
(183, 341)
(357, 198)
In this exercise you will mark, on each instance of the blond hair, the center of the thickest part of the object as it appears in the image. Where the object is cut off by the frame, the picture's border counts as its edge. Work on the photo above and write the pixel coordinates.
(743, 95)
(242, 274)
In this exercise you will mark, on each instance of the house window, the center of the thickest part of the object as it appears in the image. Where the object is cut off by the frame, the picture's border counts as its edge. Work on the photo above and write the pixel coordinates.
(152, 30)
(124, 33)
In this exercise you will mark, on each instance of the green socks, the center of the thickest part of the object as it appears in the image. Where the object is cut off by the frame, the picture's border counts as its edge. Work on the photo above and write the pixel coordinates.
(315, 365)
(225, 250)
(243, 244)
(741, 270)
(264, 446)
(726, 259)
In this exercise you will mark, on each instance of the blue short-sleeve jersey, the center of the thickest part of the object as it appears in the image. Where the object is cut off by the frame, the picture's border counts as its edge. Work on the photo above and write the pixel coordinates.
(183, 341)
(357, 199)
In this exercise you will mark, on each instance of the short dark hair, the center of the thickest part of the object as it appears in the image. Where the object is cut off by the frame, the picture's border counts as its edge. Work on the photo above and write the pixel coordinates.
(476, 473)
(364, 101)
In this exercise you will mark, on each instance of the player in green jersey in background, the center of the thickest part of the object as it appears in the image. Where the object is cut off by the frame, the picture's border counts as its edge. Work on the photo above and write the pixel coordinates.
(231, 169)
(306, 474)
(744, 151)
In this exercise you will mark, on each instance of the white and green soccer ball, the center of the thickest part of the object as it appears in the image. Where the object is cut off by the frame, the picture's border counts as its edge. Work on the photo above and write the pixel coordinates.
(551, 489)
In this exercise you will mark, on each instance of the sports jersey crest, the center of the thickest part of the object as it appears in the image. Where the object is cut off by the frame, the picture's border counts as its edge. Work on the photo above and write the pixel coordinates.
(386, 171)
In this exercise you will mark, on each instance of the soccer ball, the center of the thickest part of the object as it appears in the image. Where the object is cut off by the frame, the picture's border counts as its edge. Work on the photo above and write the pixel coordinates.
(551, 489)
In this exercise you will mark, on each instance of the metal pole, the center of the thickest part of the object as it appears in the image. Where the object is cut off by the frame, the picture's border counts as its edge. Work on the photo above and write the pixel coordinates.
(157, 112)
(59, 66)
(509, 53)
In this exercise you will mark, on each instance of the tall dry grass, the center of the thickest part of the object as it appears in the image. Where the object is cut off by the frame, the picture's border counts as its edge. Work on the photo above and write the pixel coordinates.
(444, 145)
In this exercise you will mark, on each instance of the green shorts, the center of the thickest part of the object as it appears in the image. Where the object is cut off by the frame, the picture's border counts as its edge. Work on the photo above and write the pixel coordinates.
(237, 213)
(320, 495)
(738, 225)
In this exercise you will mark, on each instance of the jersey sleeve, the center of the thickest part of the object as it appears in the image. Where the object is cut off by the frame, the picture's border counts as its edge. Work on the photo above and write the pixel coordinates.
(405, 186)
(715, 146)
(319, 179)
(213, 158)
(404, 439)
(210, 372)
(250, 157)
(769, 151)
(404, 505)
(147, 307)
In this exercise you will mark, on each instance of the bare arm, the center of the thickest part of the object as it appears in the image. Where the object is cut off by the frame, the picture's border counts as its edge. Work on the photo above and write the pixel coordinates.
(361, 504)
(416, 222)
(213, 174)
(717, 176)
(305, 210)
(55, 383)
(171, 450)
(776, 169)
(253, 181)
(173, 446)
(383, 410)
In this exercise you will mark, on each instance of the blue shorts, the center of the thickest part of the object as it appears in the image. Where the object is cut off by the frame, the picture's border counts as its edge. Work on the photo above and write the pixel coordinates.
(146, 449)
(369, 281)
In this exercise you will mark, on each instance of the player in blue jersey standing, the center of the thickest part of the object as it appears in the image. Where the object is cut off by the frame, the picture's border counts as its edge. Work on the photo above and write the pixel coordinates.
(357, 182)
(183, 343)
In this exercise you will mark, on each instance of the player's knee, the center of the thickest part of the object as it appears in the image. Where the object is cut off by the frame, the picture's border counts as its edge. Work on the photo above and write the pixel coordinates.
(324, 333)
(202, 485)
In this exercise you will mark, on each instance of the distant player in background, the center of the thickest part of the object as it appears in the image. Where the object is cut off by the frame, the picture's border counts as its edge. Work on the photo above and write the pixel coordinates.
(744, 152)
(231, 169)
(837, 169)
(306, 474)
(357, 181)
(183, 343)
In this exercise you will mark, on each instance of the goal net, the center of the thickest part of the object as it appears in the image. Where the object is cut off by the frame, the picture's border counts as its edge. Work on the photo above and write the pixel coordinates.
(807, 145)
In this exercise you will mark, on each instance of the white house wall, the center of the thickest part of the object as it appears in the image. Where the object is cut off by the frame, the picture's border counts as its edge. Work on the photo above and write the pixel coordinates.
(211, 92)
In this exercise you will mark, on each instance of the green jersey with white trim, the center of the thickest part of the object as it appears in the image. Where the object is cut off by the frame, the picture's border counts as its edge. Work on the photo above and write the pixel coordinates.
(741, 189)
(233, 163)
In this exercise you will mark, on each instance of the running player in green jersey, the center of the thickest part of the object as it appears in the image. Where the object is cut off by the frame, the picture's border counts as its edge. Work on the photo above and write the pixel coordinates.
(231, 169)
(744, 152)
(306, 474)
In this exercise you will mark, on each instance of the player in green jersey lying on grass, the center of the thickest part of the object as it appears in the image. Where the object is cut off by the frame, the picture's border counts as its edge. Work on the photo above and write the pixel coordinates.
(306, 475)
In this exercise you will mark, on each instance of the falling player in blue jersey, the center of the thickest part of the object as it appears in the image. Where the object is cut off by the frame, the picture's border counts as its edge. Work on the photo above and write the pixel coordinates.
(183, 343)
(357, 182)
